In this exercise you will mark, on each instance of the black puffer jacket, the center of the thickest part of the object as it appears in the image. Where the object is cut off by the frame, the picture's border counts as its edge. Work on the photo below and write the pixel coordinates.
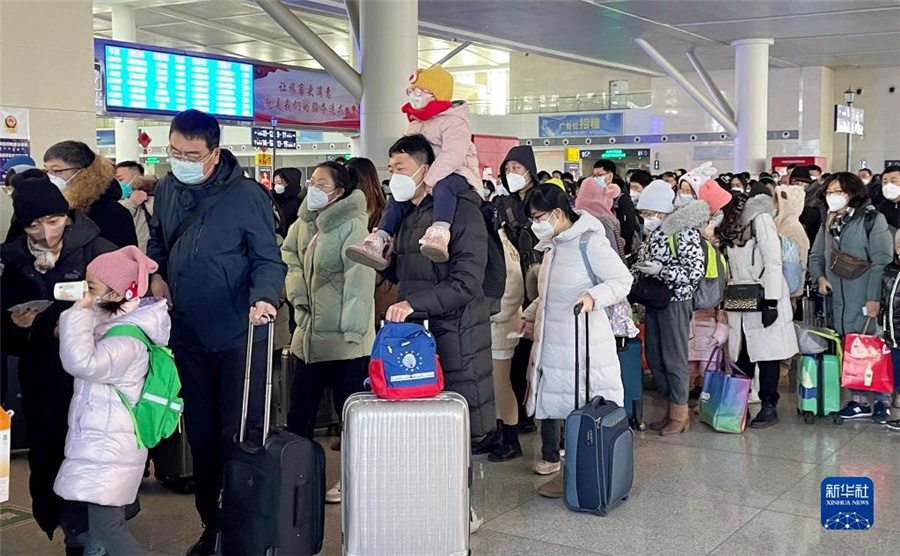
(890, 303)
(289, 202)
(451, 294)
(46, 387)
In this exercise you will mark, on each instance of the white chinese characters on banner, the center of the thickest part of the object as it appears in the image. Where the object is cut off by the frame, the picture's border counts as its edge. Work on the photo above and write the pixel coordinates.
(296, 96)
(15, 123)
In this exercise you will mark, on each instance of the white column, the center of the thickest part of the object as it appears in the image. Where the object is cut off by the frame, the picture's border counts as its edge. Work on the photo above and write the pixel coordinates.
(389, 43)
(123, 29)
(751, 85)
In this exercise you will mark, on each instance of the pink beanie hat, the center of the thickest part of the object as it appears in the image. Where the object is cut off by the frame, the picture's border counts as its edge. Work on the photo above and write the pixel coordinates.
(597, 199)
(714, 195)
(127, 271)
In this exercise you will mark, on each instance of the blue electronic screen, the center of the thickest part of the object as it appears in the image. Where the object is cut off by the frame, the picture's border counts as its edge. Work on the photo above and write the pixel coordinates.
(139, 80)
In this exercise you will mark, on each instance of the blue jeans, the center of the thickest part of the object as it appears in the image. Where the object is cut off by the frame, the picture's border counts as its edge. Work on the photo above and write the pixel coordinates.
(445, 193)
(895, 360)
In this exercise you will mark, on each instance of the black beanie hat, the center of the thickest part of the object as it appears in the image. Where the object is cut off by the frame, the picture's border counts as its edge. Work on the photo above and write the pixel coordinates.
(35, 196)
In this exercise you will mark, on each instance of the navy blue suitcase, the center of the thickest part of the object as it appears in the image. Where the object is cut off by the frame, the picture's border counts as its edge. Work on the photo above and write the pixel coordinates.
(599, 466)
(633, 380)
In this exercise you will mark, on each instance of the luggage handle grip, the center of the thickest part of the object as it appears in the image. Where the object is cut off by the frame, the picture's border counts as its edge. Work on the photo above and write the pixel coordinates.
(246, 395)
(587, 356)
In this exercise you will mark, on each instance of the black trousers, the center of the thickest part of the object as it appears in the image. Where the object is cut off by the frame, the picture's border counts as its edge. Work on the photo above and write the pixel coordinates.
(345, 378)
(518, 375)
(212, 385)
(769, 373)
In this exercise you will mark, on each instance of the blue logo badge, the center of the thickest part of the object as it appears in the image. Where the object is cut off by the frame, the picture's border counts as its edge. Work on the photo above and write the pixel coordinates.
(848, 503)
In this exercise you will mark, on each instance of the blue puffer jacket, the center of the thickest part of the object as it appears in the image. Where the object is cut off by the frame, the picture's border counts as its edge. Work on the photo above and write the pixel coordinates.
(224, 262)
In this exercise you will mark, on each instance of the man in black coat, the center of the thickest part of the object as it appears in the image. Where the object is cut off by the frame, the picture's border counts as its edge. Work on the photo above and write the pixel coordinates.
(623, 205)
(213, 235)
(65, 241)
(450, 293)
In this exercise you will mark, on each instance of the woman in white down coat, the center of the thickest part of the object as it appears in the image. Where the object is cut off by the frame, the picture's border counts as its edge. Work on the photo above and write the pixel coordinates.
(103, 464)
(761, 338)
(564, 281)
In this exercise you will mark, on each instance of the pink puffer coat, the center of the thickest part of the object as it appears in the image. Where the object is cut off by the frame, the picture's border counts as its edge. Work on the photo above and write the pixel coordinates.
(450, 135)
(707, 332)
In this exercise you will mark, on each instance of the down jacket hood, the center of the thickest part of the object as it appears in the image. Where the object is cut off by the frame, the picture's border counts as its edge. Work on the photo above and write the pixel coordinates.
(689, 217)
(755, 206)
(150, 315)
(790, 203)
(524, 155)
(90, 184)
(337, 213)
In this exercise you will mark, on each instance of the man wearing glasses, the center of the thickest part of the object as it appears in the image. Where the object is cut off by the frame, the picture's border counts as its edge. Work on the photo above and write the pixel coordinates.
(213, 235)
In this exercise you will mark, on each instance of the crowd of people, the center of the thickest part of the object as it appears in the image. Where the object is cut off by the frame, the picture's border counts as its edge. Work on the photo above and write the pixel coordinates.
(498, 267)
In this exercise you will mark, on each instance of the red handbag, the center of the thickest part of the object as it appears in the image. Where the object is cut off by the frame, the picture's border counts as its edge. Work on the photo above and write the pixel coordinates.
(867, 363)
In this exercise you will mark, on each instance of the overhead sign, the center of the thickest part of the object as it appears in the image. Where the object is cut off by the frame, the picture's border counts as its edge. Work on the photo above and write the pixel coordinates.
(580, 125)
(273, 138)
(616, 154)
(263, 159)
(297, 96)
(573, 154)
(148, 80)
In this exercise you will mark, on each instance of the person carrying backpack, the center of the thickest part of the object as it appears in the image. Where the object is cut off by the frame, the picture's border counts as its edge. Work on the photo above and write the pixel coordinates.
(104, 457)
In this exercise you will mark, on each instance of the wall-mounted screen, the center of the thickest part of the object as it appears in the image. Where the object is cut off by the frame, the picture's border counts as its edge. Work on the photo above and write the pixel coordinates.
(150, 81)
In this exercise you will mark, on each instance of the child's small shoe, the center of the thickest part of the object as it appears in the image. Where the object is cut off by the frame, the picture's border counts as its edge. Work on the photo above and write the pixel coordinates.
(374, 251)
(435, 243)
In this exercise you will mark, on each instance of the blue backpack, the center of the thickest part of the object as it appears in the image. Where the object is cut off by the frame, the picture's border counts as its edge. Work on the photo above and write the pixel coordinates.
(791, 266)
(405, 363)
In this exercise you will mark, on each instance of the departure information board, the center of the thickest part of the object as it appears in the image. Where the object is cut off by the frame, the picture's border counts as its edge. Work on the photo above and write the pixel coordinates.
(141, 80)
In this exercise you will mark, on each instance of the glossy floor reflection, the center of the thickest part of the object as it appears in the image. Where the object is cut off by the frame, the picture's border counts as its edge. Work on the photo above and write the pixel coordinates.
(696, 493)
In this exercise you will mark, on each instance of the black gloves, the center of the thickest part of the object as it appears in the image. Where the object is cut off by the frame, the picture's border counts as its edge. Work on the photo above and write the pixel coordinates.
(770, 312)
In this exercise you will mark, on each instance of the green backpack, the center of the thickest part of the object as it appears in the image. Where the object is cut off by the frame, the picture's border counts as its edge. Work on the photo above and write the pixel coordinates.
(158, 411)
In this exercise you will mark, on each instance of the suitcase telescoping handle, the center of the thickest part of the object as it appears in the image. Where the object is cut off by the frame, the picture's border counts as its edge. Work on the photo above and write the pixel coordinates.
(587, 356)
(418, 315)
(246, 399)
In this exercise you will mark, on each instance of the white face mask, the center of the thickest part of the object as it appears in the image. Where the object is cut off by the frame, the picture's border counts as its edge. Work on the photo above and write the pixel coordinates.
(403, 188)
(836, 201)
(516, 182)
(419, 101)
(60, 183)
(651, 224)
(543, 229)
(635, 195)
(279, 188)
(866, 181)
(316, 199)
(891, 191)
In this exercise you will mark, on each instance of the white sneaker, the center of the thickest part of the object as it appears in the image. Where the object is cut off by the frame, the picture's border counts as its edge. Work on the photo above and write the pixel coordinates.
(333, 496)
(475, 522)
(542, 467)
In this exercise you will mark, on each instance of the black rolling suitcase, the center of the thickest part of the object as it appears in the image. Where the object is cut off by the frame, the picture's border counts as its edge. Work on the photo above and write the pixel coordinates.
(173, 465)
(273, 495)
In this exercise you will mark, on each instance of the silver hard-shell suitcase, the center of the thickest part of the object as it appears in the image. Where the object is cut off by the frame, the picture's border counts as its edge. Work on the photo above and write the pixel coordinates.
(405, 476)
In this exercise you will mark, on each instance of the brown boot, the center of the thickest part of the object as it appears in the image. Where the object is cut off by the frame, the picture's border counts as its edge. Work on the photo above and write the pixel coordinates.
(680, 420)
(659, 425)
(554, 488)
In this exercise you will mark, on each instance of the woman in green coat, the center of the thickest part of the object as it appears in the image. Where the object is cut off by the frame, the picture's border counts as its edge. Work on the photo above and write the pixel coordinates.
(333, 298)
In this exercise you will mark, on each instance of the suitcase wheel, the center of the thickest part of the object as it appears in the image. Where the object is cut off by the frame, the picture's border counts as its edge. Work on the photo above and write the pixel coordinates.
(838, 420)
(624, 498)
(602, 512)
(809, 418)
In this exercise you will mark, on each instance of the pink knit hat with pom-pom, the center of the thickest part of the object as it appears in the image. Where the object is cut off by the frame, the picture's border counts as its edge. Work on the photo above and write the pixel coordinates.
(127, 271)
(597, 199)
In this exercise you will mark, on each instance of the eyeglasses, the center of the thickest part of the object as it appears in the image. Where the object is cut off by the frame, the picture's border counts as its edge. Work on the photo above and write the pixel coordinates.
(321, 184)
(58, 171)
(537, 217)
(173, 153)
(416, 91)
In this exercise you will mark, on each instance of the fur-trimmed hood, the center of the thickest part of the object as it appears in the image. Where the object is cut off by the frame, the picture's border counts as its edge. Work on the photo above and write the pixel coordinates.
(89, 184)
(692, 216)
(755, 206)
(337, 213)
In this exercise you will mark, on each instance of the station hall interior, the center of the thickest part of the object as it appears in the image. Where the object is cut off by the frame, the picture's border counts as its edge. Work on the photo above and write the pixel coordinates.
(655, 85)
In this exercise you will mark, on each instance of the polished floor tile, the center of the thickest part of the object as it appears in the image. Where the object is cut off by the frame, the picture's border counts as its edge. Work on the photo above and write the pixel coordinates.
(492, 543)
(803, 499)
(777, 534)
(648, 523)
